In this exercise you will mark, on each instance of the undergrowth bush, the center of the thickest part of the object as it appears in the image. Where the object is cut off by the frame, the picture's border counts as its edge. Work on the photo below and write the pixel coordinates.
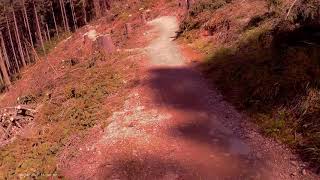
(306, 12)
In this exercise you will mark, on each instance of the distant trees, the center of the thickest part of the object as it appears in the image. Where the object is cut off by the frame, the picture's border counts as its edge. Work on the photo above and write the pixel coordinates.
(26, 25)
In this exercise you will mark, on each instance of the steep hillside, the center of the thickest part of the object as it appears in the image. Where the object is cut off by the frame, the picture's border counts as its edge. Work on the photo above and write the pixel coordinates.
(145, 89)
(70, 91)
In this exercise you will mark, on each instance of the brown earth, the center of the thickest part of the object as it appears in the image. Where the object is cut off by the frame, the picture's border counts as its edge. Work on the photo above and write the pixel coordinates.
(173, 126)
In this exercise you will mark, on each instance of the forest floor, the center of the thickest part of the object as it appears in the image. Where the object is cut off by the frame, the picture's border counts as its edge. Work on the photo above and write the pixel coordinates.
(144, 112)
(174, 126)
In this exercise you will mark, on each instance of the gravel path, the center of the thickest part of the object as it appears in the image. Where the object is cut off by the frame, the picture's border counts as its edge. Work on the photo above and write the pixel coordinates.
(173, 126)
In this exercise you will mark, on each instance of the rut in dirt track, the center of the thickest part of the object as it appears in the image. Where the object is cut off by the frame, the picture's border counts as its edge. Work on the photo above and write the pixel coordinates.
(173, 126)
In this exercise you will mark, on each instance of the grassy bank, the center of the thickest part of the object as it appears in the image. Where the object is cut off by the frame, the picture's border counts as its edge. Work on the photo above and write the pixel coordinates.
(271, 71)
(70, 106)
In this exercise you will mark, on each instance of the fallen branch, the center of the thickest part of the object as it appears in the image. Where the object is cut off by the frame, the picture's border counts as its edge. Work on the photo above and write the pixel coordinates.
(5, 131)
(289, 11)
(25, 108)
(19, 108)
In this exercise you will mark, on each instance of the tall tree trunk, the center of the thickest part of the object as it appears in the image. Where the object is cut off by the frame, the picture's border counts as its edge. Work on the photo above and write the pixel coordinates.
(27, 53)
(96, 4)
(84, 12)
(48, 33)
(105, 6)
(38, 27)
(2, 82)
(24, 20)
(62, 14)
(18, 39)
(27, 22)
(4, 50)
(73, 15)
(4, 71)
(65, 15)
(44, 34)
(12, 46)
(54, 20)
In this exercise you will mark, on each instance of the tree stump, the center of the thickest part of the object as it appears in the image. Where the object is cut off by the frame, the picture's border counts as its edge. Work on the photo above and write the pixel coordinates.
(143, 18)
(105, 44)
(128, 28)
(88, 41)
(186, 4)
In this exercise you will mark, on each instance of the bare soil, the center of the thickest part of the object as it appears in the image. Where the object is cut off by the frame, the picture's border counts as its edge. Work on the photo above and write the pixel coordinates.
(174, 126)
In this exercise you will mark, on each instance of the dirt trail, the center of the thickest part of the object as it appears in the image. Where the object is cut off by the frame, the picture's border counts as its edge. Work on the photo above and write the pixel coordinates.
(173, 126)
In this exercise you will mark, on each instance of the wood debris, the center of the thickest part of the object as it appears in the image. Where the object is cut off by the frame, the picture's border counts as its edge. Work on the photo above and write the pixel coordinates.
(13, 119)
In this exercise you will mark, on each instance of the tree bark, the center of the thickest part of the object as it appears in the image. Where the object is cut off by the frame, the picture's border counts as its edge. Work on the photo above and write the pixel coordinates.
(84, 12)
(12, 46)
(65, 15)
(5, 53)
(96, 4)
(18, 39)
(27, 53)
(48, 33)
(38, 27)
(27, 22)
(4, 71)
(73, 15)
(54, 20)
(62, 14)
(24, 20)
(44, 33)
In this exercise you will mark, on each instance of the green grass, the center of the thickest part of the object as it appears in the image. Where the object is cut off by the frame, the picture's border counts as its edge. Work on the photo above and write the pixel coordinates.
(49, 45)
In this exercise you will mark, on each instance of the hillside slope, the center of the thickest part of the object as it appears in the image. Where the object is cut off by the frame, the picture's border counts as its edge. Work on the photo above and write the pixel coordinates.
(264, 58)
(175, 98)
